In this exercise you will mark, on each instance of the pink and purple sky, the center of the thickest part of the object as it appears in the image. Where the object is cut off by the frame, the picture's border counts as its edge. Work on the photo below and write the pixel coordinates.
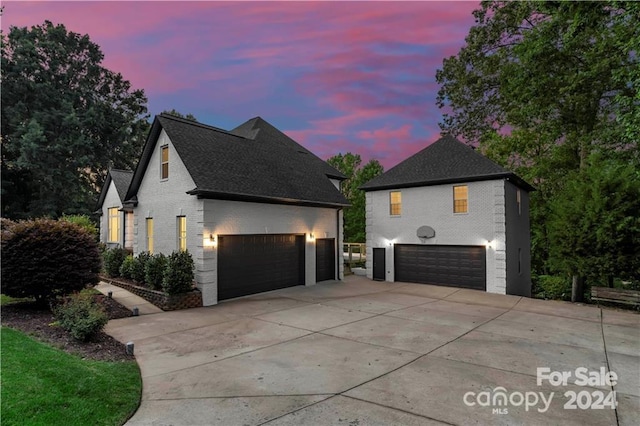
(335, 76)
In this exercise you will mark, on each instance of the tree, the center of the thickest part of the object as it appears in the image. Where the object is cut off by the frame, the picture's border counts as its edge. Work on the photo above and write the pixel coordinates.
(189, 116)
(45, 258)
(354, 216)
(542, 85)
(594, 224)
(65, 121)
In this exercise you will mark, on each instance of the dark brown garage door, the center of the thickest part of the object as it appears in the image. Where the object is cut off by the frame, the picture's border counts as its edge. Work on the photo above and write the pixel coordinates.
(249, 264)
(325, 259)
(453, 266)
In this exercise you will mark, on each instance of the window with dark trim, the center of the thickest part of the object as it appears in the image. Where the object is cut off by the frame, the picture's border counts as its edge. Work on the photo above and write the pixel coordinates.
(460, 199)
(395, 203)
(164, 162)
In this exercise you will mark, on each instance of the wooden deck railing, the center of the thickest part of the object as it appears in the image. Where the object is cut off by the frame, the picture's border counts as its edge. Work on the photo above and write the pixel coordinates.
(354, 253)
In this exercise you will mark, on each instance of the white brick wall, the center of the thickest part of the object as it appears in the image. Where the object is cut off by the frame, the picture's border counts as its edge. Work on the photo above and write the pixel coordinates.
(164, 200)
(433, 206)
(236, 218)
(111, 200)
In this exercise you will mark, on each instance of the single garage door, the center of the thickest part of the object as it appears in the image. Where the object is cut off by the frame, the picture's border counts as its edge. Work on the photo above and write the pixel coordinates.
(249, 264)
(325, 259)
(452, 266)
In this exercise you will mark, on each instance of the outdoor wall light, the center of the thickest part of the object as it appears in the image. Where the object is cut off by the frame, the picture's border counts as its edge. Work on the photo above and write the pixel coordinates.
(311, 237)
(212, 239)
(489, 244)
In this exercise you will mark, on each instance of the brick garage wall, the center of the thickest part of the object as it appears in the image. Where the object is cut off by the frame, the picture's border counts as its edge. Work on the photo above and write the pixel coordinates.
(433, 206)
(166, 302)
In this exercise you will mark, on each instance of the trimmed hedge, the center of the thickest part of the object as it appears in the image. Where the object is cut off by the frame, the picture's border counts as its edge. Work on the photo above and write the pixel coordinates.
(178, 274)
(45, 258)
(126, 269)
(113, 259)
(139, 264)
(154, 271)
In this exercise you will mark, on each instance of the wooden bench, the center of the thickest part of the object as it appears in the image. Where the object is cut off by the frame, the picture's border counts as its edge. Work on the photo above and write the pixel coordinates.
(616, 295)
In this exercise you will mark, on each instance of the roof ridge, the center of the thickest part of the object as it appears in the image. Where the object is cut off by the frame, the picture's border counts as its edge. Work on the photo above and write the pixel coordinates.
(198, 124)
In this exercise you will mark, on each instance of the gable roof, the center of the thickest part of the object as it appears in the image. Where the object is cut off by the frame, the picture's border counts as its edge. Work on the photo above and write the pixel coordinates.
(254, 162)
(121, 179)
(445, 161)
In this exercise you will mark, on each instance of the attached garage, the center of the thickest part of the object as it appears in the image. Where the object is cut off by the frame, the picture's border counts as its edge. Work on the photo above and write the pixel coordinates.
(451, 266)
(325, 259)
(249, 264)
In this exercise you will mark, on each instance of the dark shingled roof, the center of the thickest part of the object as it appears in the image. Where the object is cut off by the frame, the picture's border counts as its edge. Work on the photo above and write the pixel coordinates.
(121, 179)
(254, 162)
(445, 161)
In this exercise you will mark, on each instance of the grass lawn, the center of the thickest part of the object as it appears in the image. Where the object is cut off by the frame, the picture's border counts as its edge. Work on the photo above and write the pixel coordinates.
(42, 385)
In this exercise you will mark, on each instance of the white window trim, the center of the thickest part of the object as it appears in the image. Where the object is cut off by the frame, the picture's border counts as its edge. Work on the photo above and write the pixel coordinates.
(392, 204)
(453, 195)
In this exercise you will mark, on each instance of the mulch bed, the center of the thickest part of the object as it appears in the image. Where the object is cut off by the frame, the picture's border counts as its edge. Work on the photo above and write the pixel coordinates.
(36, 321)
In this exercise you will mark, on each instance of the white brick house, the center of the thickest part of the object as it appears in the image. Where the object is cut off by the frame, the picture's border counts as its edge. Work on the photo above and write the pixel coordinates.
(449, 216)
(116, 225)
(256, 210)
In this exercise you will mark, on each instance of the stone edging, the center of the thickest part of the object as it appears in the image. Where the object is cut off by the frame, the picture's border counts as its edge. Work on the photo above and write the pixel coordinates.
(166, 302)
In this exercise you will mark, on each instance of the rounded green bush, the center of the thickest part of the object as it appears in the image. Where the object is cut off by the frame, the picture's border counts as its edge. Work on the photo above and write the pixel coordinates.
(139, 264)
(113, 259)
(45, 258)
(552, 287)
(178, 274)
(126, 269)
(154, 271)
(81, 316)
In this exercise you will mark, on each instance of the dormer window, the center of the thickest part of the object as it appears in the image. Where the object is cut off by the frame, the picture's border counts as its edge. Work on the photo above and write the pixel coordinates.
(164, 162)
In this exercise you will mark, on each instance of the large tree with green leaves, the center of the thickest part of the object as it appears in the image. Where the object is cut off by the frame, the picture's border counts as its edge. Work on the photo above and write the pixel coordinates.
(66, 120)
(542, 85)
(357, 175)
(594, 225)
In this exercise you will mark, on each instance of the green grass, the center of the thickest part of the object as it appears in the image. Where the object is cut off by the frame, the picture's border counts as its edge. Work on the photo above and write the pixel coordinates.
(42, 385)
(8, 300)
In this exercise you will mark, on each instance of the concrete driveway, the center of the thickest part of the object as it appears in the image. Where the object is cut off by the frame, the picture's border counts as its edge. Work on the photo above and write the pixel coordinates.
(361, 352)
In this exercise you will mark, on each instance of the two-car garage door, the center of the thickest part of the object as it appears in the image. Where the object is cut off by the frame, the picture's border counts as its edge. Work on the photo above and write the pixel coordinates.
(249, 264)
(453, 266)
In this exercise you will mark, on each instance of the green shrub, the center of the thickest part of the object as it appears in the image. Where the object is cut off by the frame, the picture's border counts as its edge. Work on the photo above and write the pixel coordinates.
(139, 264)
(84, 221)
(81, 316)
(178, 274)
(552, 287)
(113, 259)
(126, 269)
(154, 271)
(45, 258)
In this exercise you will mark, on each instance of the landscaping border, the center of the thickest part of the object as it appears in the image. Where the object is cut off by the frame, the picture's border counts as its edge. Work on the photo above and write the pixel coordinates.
(166, 302)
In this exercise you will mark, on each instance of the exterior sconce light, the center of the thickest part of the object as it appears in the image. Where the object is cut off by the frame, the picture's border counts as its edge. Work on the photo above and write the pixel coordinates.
(311, 237)
(212, 239)
(489, 244)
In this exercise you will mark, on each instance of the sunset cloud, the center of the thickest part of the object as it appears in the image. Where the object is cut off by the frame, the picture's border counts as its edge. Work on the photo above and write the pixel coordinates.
(336, 76)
